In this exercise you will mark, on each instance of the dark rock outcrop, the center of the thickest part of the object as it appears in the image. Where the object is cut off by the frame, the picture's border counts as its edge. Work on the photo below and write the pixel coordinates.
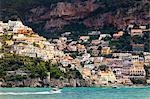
(55, 16)
(52, 83)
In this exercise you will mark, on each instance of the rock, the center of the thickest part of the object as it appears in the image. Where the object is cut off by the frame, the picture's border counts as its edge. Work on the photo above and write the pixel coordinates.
(90, 13)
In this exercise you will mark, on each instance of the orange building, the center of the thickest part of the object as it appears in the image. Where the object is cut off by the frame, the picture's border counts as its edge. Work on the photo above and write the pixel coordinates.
(106, 50)
(24, 31)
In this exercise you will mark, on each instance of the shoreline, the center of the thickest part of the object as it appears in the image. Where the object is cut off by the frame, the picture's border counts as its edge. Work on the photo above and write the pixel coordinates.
(134, 86)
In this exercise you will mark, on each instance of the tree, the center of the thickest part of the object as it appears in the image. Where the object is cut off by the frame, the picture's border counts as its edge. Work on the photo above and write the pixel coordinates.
(123, 44)
(36, 45)
(55, 72)
(6, 37)
(107, 38)
(137, 39)
(42, 71)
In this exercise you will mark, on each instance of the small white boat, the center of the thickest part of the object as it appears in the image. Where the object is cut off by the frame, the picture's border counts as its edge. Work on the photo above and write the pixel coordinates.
(115, 87)
(55, 90)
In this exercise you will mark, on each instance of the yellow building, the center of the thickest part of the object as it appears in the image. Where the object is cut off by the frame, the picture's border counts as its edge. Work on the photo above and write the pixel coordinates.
(9, 42)
(137, 71)
(106, 51)
(22, 44)
(41, 45)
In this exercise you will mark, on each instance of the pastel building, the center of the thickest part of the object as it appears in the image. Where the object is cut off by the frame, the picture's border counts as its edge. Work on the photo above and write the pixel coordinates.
(123, 56)
(106, 50)
(86, 72)
(147, 60)
(66, 61)
(116, 66)
(107, 77)
(137, 72)
(0, 45)
(1, 30)
(84, 38)
(118, 34)
(138, 31)
(104, 35)
(81, 48)
(18, 27)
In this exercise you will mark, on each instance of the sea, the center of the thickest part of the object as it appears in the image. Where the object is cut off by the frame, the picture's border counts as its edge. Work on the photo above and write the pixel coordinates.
(75, 93)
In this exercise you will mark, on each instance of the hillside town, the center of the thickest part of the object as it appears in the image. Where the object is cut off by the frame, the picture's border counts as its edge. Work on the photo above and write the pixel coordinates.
(103, 59)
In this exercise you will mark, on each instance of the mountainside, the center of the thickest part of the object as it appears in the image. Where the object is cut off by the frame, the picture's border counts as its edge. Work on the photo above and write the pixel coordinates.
(49, 17)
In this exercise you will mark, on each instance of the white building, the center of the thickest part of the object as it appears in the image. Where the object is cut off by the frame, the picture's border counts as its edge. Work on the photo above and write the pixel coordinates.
(1, 29)
(15, 23)
(104, 35)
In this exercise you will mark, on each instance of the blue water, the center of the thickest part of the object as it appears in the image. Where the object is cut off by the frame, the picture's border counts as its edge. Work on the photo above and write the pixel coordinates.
(75, 93)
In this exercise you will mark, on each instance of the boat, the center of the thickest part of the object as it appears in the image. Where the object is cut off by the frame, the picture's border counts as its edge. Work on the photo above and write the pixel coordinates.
(114, 87)
(55, 90)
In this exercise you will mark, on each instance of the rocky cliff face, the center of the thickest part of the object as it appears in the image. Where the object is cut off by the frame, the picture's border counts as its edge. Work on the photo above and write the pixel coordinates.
(65, 15)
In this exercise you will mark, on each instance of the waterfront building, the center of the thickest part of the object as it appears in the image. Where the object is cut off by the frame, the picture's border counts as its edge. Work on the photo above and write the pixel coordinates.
(107, 77)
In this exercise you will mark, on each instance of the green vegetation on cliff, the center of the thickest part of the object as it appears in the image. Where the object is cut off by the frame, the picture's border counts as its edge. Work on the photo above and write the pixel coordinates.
(11, 62)
(34, 67)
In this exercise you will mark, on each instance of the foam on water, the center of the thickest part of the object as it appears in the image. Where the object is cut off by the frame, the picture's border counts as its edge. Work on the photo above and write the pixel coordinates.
(25, 93)
(75, 93)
